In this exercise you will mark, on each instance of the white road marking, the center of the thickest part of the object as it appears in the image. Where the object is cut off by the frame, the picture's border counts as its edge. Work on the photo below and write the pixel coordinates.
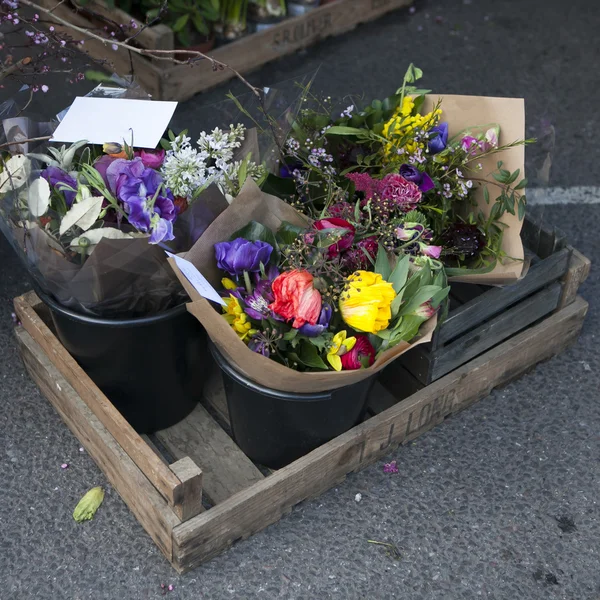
(559, 195)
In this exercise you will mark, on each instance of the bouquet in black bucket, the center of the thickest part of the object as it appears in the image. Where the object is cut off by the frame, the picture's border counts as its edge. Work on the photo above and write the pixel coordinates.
(91, 223)
(308, 314)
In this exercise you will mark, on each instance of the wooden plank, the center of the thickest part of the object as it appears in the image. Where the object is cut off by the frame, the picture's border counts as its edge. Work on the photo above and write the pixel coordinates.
(190, 475)
(418, 362)
(579, 269)
(226, 469)
(155, 470)
(214, 395)
(494, 331)
(498, 299)
(183, 81)
(153, 447)
(137, 492)
(542, 238)
(255, 508)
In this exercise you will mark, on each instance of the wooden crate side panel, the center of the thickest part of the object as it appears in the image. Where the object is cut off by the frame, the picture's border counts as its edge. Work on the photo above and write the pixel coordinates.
(121, 61)
(137, 492)
(225, 467)
(167, 484)
(542, 238)
(183, 81)
(498, 299)
(253, 509)
(494, 331)
(579, 269)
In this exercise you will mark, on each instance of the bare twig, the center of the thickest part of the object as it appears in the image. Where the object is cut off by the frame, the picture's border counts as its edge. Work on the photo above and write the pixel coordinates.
(14, 67)
(167, 55)
(36, 139)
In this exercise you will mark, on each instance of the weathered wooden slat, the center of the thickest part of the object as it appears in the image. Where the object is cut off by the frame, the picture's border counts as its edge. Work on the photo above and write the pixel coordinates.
(190, 475)
(494, 331)
(579, 269)
(163, 479)
(226, 469)
(542, 238)
(262, 504)
(498, 299)
(214, 395)
(141, 497)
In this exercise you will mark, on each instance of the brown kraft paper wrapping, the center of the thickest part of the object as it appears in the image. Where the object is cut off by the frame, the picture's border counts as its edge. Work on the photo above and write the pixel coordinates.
(464, 112)
(254, 205)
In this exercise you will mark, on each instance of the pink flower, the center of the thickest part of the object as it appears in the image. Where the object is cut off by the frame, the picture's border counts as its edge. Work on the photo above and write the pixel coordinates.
(296, 298)
(431, 251)
(344, 242)
(153, 159)
(404, 194)
(363, 182)
(470, 145)
(426, 310)
(341, 210)
(361, 355)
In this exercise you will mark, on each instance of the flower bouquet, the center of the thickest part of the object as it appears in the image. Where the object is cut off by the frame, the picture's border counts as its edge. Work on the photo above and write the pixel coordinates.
(434, 176)
(303, 316)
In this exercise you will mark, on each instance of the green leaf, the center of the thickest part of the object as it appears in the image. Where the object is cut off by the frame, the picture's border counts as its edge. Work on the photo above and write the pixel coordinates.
(287, 233)
(200, 24)
(522, 184)
(288, 336)
(424, 294)
(97, 76)
(382, 263)
(513, 177)
(342, 130)
(180, 23)
(486, 195)
(399, 275)
(438, 297)
(86, 508)
(309, 356)
(255, 231)
(522, 205)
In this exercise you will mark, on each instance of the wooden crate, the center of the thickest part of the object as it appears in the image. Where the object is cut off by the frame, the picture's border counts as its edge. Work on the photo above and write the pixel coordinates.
(193, 489)
(482, 316)
(167, 81)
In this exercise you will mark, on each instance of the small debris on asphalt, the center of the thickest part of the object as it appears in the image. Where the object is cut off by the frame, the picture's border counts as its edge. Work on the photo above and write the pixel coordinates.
(566, 524)
(545, 577)
(391, 550)
(358, 497)
(390, 467)
(64, 466)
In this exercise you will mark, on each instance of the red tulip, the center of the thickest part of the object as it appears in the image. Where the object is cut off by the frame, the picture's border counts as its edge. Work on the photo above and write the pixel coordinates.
(296, 298)
(361, 355)
(346, 239)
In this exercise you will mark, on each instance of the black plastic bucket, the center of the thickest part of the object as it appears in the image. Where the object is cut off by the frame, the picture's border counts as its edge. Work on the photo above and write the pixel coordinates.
(274, 428)
(151, 368)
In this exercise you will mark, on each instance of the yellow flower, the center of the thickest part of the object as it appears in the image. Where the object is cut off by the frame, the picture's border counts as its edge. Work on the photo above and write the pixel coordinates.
(237, 318)
(402, 126)
(365, 304)
(339, 346)
(228, 284)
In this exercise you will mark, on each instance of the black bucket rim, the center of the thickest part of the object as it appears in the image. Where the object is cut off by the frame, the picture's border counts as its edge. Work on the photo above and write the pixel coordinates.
(224, 364)
(104, 322)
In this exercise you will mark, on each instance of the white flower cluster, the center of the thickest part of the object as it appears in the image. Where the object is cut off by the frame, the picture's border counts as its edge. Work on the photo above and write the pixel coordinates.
(187, 169)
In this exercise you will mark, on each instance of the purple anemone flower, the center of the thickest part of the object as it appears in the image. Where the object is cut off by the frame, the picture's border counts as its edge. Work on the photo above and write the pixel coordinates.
(321, 325)
(241, 255)
(421, 178)
(148, 204)
(438, 138)
(55, 177)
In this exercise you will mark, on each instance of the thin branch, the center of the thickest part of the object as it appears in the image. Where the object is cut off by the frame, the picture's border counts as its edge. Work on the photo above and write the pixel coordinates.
(14, 67)
(158, 54)
(36, 139)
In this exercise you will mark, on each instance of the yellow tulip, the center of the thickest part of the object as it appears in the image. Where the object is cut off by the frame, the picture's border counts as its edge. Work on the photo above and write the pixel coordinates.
(366, 302)
(339, 346)
(237, 318)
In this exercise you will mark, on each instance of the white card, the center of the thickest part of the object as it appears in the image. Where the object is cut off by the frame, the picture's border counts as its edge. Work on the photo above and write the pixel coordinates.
(100, 120)
(198, 280)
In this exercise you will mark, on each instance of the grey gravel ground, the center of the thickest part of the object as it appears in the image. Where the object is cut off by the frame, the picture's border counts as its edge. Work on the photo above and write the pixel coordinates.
(500, 502)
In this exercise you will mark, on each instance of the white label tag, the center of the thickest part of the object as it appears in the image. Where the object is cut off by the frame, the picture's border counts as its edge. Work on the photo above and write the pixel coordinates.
(100, 120)
(198, 280)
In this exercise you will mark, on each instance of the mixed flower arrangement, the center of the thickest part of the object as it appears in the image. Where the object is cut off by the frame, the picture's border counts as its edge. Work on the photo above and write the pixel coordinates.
(307, 299)
(401, 180)
(85, 194)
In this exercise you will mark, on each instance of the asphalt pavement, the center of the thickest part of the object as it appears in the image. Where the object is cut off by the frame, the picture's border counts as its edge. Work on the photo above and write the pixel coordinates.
(500, 502)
